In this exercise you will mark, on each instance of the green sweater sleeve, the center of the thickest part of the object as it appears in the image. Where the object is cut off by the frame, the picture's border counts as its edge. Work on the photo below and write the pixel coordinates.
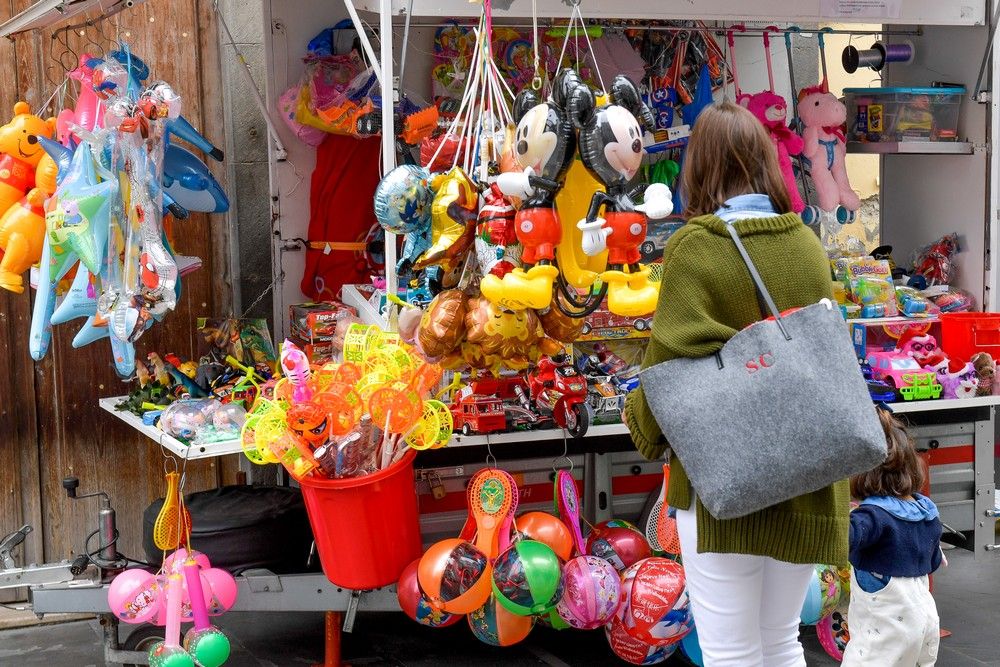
(683, 326)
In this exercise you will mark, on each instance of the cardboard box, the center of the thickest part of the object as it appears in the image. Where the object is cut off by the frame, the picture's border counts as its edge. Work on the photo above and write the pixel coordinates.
(316, 322)
(883, 333)
(602, 324)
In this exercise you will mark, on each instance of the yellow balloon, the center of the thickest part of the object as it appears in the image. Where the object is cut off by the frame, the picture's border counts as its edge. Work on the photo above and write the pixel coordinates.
(572, 202)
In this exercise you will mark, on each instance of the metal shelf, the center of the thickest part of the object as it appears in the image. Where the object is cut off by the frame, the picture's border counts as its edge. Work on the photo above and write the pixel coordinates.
(945, 404)
(351, 296)
(911, 148)
(514, 437)
(182, 449)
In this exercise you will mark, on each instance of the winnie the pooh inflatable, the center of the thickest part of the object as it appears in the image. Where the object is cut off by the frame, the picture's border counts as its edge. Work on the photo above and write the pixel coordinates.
(22, 217)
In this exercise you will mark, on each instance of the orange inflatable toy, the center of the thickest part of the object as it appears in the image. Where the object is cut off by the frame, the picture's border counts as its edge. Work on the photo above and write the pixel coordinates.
(22, 232)
(22, 225)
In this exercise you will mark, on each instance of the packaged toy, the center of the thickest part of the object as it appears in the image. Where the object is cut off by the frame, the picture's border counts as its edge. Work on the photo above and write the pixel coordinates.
(871, 286)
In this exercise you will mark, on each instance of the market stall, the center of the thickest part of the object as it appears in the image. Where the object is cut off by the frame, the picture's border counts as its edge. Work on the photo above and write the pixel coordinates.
(455, 361)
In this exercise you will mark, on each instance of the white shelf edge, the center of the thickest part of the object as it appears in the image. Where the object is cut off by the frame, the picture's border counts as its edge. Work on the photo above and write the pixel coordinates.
(541, 435)
(350, 295)
(911, 148)
(190, 452)
(945, 404)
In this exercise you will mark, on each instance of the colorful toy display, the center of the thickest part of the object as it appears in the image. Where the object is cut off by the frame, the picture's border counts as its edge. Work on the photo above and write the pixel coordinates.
(350, 418)
(591, 592)
(644, 608)
(527, 578)
(118, 176)
(186, 589)
(618, 542)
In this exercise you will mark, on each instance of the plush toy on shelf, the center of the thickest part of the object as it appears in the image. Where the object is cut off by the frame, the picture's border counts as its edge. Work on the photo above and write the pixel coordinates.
(771, 110)
(825, 148)
(959, 380)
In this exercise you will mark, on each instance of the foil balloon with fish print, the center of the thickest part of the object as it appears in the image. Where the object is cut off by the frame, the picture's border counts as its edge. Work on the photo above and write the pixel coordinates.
(454, 213)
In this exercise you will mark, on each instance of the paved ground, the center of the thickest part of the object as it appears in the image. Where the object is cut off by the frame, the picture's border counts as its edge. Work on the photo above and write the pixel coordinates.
(966, 593)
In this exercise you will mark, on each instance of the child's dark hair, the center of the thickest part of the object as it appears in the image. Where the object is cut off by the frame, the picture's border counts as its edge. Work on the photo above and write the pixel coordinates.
(900, 475)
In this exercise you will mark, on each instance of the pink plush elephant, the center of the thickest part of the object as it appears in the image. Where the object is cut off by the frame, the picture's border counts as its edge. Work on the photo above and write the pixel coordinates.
(771, 110)
(823, 115)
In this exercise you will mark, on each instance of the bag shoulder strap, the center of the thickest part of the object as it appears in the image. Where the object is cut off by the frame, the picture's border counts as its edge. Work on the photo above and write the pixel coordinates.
(762, 292)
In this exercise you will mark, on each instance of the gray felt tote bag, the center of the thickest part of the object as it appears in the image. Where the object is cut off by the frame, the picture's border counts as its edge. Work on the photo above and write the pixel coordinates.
(781, 410)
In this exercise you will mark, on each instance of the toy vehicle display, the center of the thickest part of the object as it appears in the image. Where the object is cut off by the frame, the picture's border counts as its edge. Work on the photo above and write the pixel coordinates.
(606, 400)
(606, 325)
(557, 390)
(901, 372)
(478, 414)
(878, 390)
(658, 232)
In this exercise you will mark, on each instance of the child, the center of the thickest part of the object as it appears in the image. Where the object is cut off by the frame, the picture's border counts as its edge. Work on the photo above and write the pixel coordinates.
(895, 544)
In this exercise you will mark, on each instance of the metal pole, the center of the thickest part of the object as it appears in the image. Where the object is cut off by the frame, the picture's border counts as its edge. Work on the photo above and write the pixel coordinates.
(366, 44)
(388, 132)
(795, 116)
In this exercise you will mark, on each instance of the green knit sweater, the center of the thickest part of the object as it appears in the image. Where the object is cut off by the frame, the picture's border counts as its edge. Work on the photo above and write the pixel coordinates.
(706, 297)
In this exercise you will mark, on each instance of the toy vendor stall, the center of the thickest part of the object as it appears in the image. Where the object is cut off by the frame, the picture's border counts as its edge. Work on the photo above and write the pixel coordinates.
(465, 284)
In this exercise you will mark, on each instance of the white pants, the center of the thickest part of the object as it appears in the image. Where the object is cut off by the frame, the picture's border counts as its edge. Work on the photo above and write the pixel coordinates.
(895, 627)
(746, 608)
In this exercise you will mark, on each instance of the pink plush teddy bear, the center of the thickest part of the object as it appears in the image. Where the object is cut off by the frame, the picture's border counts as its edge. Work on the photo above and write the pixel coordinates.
(771, 110)
(823, 115)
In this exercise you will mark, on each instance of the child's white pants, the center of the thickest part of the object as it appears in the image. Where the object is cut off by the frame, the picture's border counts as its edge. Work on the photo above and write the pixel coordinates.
(746, 608)
(895, 627)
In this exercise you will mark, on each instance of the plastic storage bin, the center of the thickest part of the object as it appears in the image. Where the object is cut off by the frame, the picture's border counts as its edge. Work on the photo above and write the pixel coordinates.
(367, 528)
(965, 334)
(879, 115)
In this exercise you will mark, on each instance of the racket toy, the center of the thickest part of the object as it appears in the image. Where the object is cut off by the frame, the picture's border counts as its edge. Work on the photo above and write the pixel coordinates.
(567, 501)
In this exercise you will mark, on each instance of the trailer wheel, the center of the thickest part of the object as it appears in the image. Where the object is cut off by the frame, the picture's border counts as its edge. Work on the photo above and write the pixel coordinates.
(143, 638)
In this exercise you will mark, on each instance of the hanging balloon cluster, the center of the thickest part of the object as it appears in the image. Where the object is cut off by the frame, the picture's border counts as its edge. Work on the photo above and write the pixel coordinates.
(90, 192)
(493, 218)
(351, 418)
(187, 589)
(508, 574)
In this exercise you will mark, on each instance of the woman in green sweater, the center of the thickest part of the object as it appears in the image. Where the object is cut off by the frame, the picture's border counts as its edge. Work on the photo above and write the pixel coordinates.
(747, 577)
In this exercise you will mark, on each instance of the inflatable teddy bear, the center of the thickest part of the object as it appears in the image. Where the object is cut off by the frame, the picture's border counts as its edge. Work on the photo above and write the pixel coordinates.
(772, 111)
(823, 115)
(22, 225)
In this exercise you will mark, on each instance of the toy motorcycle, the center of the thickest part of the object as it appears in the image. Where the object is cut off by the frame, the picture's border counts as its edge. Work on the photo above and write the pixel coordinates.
(556, 388)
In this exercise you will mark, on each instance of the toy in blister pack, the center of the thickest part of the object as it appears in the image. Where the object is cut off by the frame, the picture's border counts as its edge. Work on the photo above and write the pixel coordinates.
(871, 287)
(914, 304)
(934, 262)
(951, 299)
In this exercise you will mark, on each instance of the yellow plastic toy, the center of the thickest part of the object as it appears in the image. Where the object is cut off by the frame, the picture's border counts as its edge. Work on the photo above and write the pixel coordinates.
(22, 234)
(22, 225)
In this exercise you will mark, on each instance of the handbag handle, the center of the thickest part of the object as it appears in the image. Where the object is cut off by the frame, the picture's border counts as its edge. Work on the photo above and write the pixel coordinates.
(758, 281)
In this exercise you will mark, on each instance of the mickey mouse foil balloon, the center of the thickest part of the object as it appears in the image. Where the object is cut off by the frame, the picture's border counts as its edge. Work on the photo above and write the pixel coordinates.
(544, 147)
(611, 149)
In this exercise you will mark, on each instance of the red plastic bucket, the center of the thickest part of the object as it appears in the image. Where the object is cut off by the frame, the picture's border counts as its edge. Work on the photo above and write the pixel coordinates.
(965, 334)
(367, 528)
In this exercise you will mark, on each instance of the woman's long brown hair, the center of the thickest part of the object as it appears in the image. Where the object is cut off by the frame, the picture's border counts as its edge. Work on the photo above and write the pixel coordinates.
(730, 153)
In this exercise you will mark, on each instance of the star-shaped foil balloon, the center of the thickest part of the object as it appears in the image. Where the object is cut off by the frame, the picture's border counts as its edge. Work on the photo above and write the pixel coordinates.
(76, 218)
